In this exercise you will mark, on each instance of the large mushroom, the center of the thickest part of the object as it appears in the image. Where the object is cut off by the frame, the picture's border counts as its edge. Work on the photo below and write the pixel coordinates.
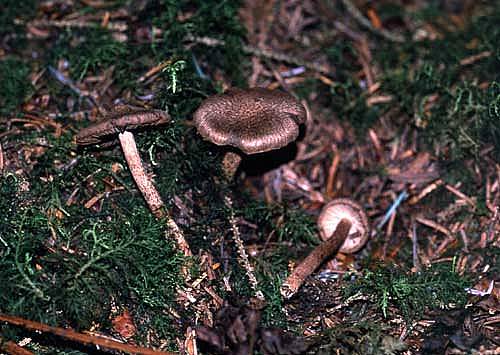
(344, 227)
(254, 121)
(119, 122)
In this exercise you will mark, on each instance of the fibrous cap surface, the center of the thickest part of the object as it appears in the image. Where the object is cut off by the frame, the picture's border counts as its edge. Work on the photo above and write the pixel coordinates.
(254, 120)
(120, 119)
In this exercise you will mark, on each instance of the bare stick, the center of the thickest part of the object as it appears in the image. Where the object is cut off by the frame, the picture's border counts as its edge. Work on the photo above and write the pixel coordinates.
(80, 337)
(354, 11)
(1, 159)
(315, 259)
(148, 190)
(264, 53)
(244, 261)
(414, 240)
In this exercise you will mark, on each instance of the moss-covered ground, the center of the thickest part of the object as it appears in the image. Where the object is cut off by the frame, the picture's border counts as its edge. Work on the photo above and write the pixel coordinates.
(403, 100)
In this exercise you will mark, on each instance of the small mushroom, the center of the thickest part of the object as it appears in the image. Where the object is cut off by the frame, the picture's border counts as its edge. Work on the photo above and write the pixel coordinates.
(119, 122)
(337, 210)
(120, 119)
(254, 121)
(347, 228)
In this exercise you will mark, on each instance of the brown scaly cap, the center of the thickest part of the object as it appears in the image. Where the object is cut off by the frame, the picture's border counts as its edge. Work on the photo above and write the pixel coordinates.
(337, 210)
(254, 120)
(120, 119)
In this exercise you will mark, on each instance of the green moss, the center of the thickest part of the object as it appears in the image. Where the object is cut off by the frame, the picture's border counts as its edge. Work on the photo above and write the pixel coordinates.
(68, 265)
(294, 231)
(15, 85)
(430, 12)
(12, 10)
(341, 54)
(89, 51)
(112, 257)
(271, 272)
(183, 163)
(466, 120)
(438, 286)
(214, 19)
(287, 223)
(442, 96)
(356, 336)
(202, 18)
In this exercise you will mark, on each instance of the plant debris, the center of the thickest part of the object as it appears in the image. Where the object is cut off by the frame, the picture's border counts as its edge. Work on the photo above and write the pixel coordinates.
(237, 331)
(401, 102)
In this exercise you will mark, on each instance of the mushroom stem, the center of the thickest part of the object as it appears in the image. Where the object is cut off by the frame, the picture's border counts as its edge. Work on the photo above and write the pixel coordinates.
(230, 164)
(148, 190)
(315, 259)
(144, 183)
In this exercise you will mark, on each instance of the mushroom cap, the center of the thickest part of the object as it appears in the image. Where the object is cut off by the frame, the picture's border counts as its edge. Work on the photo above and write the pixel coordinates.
(120, 119)
(341, 208)
(255, 120)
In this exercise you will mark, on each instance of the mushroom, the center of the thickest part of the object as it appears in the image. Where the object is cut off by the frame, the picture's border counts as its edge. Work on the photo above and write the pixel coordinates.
(254, 121)
(119, 122)
(334, 212)
(345, 225)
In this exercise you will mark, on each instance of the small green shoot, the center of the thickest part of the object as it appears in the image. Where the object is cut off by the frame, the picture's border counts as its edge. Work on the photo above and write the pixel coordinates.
(173, 72)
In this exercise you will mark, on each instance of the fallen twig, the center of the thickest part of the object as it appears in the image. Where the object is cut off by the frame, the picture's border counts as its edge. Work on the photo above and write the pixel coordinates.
(243, 256)
(1, 158)
(265, 53)
(433, 225)
(71, 85)
(353, 10)
(80, 337)
(392, 209)
(460, 194)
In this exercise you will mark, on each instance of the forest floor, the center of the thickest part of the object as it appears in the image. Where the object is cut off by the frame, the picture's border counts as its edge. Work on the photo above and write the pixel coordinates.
(403, 117)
